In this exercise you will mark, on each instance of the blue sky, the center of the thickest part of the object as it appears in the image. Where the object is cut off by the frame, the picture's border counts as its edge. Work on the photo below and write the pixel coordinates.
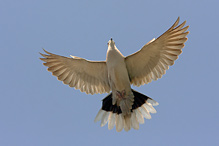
(38, 110)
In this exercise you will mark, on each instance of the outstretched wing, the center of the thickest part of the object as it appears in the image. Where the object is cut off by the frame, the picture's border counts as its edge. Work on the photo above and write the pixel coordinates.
(152, 61)
(88, 76)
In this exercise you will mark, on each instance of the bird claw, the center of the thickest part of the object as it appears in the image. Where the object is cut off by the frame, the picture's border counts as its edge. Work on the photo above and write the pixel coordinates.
(121, 94)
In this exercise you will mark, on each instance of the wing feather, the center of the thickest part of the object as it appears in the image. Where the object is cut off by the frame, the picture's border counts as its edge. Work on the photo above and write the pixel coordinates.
(152, 61)
(88, 76)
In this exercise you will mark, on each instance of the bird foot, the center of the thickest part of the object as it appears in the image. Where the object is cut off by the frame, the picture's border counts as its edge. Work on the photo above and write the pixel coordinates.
(121, 94)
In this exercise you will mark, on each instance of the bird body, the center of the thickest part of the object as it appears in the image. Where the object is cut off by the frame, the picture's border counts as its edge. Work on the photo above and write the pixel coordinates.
(123, 107)
(119, 79)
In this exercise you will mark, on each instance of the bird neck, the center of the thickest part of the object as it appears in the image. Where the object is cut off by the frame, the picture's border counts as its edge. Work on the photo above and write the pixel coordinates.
(114, 49)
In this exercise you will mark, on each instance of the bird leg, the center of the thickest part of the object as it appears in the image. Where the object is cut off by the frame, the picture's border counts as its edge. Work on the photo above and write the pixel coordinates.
(121, 94)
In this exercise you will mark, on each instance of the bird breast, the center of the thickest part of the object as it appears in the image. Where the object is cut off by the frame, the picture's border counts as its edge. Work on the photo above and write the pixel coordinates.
(117, 71)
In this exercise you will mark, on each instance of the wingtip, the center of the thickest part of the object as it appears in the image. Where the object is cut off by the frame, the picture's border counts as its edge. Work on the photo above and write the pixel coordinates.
(47, 52)
(42, 55)
(184, 22)
(177, 22)
(178, 18)
(44, 50)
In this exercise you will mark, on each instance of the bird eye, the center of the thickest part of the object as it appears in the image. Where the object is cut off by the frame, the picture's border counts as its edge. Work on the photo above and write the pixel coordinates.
(108, 44)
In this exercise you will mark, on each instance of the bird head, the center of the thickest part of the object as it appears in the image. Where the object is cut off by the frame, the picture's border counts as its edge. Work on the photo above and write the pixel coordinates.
(111, 43)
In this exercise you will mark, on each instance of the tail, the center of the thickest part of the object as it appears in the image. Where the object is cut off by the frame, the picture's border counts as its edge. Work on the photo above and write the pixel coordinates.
(141, 108)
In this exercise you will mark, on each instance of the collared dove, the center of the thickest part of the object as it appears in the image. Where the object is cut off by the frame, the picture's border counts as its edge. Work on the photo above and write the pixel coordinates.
(123, 107)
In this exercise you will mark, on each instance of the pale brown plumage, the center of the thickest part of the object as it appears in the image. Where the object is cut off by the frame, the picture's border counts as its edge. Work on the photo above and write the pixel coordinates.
(117, 73)
(152, 61)
(88, 76)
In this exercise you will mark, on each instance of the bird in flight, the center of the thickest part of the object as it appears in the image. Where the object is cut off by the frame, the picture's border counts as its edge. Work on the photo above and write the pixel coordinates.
(123, 107)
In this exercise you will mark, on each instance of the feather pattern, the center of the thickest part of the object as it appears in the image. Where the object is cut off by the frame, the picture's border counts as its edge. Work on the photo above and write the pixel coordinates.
(156, 56)
(142, 107)
(124, 107)
(90, 77)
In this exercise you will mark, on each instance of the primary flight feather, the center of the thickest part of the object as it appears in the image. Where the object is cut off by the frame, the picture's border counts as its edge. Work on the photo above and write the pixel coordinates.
(124, 107)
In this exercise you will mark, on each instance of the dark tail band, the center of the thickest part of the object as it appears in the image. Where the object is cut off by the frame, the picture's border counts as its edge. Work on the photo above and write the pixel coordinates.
(139, 100)
(141, 108)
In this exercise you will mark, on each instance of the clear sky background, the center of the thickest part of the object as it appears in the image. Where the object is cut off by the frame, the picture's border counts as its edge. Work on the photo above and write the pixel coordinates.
(38, 110)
